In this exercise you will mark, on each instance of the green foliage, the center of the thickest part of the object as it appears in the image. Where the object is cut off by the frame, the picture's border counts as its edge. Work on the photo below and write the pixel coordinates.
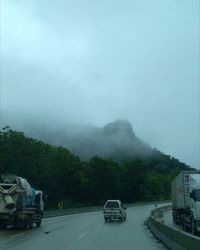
(101, 180)
(63, 177)
(134, 178)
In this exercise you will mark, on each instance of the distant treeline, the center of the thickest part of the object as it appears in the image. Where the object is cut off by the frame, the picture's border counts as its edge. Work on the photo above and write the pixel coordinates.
(63, 177)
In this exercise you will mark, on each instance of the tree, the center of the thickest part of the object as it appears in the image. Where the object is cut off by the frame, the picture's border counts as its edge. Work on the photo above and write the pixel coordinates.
(101, 180)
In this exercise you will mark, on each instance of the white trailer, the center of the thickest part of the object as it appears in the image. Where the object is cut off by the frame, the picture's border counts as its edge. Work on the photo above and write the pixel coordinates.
(185, 191)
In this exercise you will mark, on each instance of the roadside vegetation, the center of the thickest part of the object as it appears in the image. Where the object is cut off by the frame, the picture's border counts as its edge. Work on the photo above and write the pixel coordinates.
(67, 180)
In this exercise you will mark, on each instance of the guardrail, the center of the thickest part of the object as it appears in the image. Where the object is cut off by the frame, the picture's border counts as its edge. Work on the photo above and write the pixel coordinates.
(171, 237)
(60, 212)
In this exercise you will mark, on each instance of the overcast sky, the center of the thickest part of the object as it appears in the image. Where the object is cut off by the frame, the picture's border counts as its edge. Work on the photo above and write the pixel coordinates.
(91, 62)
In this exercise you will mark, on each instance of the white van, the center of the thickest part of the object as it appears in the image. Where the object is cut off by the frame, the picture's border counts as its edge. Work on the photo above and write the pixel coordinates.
(114, 209)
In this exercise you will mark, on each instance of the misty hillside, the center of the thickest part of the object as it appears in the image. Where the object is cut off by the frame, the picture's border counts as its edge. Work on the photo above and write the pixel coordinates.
(115, 140)
(62, 176)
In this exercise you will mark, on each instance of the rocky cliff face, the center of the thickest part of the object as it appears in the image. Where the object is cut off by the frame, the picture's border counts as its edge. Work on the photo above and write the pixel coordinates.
(119, 127)
(115, 140)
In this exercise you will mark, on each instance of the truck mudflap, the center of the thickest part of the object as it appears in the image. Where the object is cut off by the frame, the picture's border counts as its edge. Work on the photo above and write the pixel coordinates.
(198, 225)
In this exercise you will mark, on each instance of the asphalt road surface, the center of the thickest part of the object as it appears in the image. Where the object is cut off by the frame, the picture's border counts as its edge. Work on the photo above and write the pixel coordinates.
(86, 231)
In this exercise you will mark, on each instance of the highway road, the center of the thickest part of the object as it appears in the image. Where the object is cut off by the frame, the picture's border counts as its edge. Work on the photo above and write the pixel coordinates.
(86, 231)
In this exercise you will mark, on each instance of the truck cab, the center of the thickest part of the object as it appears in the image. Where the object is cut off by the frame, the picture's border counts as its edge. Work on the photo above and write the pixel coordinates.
(195, 202)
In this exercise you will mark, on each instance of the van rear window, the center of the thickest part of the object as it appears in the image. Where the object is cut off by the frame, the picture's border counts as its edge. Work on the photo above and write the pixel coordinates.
(112, 204)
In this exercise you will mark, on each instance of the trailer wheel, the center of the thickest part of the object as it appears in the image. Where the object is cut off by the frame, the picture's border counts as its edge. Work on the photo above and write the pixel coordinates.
(174, 217)
(3, 225)
(183, 222)
(15, 224)
(38, 223)
(193, 226)
(184, 226)
(28, 223)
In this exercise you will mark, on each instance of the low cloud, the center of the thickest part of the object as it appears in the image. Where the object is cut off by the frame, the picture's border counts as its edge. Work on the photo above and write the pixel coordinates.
(84, 62)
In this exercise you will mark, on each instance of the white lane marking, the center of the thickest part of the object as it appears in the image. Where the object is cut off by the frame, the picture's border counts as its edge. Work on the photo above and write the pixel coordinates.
(16, 235)
(81, 235)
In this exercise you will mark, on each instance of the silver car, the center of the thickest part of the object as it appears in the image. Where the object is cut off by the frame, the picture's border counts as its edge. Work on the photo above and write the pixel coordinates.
(114, 209)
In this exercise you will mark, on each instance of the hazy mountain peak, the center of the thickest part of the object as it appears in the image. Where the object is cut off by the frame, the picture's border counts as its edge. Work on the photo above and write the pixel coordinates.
(115, 140)
(119, 127)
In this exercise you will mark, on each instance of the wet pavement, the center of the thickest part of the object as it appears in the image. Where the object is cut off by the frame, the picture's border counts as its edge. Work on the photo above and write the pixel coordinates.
(86, 231)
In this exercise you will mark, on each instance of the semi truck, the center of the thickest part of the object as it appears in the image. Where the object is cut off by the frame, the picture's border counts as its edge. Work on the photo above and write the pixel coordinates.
(185, 191)
(20, 204)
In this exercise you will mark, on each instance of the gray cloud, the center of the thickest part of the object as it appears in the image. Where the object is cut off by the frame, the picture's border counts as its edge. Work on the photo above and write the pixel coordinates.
(91, 62)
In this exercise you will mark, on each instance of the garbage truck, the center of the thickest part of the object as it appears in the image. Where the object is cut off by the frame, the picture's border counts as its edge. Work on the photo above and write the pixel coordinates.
(20, 204)
(185, 192)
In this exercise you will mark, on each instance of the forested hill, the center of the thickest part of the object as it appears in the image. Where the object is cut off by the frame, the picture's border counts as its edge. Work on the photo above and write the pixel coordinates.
(63, 177)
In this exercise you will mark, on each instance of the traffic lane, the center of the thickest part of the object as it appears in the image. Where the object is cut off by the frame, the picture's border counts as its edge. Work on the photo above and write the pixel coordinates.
(85, 231)
(12, 237)
(126, 235)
